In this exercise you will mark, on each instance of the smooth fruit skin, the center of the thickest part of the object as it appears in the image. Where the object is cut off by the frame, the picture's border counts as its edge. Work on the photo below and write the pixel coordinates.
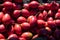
(50, 19)
(54, 5)
(50, 13)
(40, 23)
(45, 14)
(46, 6)
(33, 4)
(25, 26)
(8, 5)
(57, 15)
(16, 13)
(25, 13)
(2, 39)
(32, 20)
(1, 15)
(6, 19)
(2, 36)
(2, 28)
(41, 7)
(57, 22)
(27, 35)
(26, 6)
(21, 19)
(40, 16)
(13, 37)
(21, 38)
(35, 36)
(52, 25)
(17, 29)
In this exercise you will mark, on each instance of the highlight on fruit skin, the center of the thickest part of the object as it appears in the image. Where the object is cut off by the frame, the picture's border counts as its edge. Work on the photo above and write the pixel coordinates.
(29, 21)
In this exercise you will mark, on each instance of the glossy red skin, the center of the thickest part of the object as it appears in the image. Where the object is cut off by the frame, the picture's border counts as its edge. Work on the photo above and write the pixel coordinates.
(40, 16)
(33, 4)
(6, 19)
(46, 6)
(27, 35)
(45, 14)
(1, 15)
(21, 19)
(50, 19)
(40, 23)
(17, 29)
(32, 20)
(2, 28)
(50, 13)
(25, 13)
(54, 6)
(2, 36)
(58, 10)
(16, 13)
(57, 22)
(8, 5)
(41, 7)
(18, 1)
(21, 38)
(51, 24)
(57, 15)
(25, 26)
(5, 10)
(12, 36)
(2, 39)
(35, 36)
(26, 6)
(15, 7)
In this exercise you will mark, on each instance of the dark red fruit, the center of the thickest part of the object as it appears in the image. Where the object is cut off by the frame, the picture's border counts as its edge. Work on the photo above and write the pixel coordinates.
(46, 6)
(2, 28)
(45, 14)
(8, 5)
(40, 16)
(21, 19)
(33, 4)
(25, 26)
(26, 6)
(21, 38)
(40, 23)
(7, 0)
(6, 19)
(32, 20)
(50, 19)
(25, 13)
(57, 22)
(18, 1)
(41, 7)
(57, 15)
(27, 35)
(2, 36)
(54, 6)
(17, 29)
(1, 15)
(13, 37)
(16, 13)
